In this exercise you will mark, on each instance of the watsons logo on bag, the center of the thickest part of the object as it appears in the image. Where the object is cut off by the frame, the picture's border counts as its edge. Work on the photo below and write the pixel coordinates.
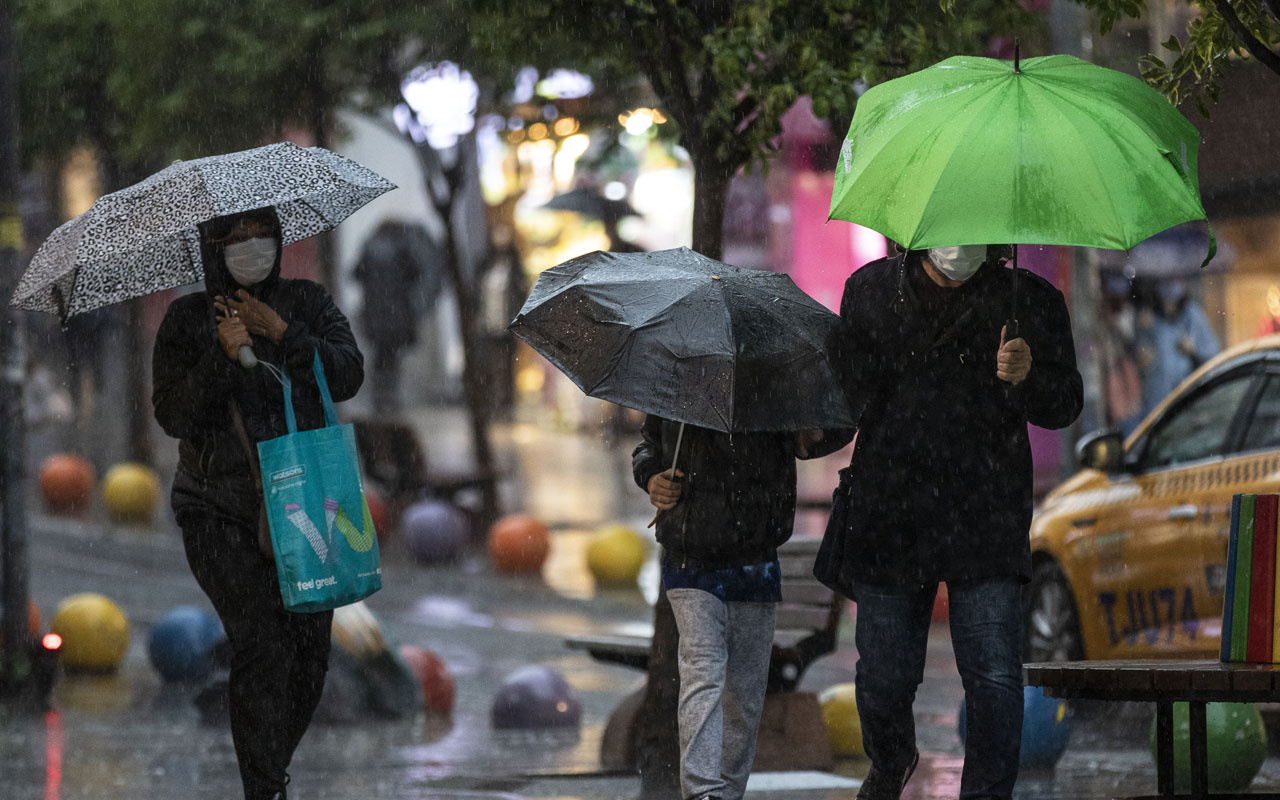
(316, 583)
(286, 474)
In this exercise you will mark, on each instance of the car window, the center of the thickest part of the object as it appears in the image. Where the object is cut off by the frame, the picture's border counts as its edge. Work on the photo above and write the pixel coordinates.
(1197, 428)
(1263, 432)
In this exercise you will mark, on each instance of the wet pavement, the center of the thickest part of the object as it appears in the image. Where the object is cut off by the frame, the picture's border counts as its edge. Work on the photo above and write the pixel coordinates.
(129, 735)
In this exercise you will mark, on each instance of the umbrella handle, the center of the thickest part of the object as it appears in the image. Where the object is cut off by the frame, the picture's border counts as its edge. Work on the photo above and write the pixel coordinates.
(1013, 316)
(247, 359)
(671, 475)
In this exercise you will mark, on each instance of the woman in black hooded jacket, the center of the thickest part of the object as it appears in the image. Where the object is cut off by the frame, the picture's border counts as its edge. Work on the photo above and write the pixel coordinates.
(279, 658)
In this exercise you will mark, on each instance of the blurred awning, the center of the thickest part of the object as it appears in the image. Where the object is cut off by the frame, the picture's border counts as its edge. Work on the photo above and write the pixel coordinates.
(1176, 252)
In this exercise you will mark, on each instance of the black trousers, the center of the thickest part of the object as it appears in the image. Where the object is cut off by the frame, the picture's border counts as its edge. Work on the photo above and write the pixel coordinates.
(279, 658)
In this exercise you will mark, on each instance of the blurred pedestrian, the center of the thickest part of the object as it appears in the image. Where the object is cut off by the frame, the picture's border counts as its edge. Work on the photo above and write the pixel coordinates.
(503, 288)
(939, 489)
(388, 272)
(722, 514)
(1118, 354)
(218, 408)
(1173, 338)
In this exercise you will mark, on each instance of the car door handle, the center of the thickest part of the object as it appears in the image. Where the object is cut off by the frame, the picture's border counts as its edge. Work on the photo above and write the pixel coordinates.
(1187, 511)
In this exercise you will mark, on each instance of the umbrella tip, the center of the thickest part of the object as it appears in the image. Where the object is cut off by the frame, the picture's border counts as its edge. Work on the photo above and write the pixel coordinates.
(1017, 56)
(715, 277)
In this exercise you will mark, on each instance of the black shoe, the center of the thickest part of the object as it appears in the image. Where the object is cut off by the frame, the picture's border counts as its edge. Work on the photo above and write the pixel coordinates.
(887, 784)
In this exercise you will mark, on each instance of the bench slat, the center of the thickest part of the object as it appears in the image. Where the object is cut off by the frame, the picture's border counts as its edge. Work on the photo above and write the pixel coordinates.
(814, 619)
(806, 594)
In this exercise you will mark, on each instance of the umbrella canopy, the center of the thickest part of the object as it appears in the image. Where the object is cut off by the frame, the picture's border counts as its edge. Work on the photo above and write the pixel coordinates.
(694, 340)
(1049, 150)
(144, 239)
(590, 203)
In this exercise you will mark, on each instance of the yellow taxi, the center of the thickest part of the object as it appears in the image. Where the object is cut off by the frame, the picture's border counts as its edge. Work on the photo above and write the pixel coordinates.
(1129, 555)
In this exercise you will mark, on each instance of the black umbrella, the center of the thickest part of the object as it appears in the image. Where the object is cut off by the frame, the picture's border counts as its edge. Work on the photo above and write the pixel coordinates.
(590, 203)
(687, 338)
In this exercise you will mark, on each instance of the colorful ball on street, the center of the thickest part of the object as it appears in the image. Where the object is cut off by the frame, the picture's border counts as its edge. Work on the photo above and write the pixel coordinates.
(94, 631)
(434, 531)
(840, 713)
(66, 484)
(433, 674)
(130, 493)
(181, 644)
(519, 543)
(615, 555)
(1236, 741)
(1046, 729)
(535, 696)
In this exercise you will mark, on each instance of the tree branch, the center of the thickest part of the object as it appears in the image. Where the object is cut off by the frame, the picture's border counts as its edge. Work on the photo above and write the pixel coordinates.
(1256, 48)
(671, 85)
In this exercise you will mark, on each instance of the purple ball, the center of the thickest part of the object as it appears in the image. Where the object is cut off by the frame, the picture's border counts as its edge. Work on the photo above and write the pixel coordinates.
(535, 696)
(434, 531)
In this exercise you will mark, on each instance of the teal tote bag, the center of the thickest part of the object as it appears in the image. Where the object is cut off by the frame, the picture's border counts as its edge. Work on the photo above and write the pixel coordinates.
(325, 547)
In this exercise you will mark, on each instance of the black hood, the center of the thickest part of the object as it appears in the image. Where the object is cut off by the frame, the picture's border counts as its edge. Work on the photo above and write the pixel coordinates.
(217, 280)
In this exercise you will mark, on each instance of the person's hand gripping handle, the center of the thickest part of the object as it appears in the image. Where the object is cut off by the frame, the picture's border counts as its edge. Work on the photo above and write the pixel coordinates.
(1013, 361)
(664, 491)
(234, 336)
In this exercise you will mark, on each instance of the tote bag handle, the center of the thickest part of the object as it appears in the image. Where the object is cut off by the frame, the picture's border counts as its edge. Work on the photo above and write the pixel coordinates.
(326, 399)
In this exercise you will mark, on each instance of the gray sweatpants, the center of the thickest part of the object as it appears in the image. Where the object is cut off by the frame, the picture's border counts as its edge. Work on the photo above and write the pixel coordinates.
(724, 669)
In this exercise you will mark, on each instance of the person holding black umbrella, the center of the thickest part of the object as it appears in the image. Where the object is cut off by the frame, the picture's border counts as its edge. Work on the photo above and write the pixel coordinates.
(722, 514)
(942, 385)
(206, 396)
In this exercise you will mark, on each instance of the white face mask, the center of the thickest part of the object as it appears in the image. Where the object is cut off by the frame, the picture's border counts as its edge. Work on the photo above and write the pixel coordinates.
(960, 262)
(251, 261)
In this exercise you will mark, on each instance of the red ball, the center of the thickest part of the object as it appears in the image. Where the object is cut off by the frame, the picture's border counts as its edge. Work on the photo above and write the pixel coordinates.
(378, 513)
(66, 483)
(519, 543)
(431, 672)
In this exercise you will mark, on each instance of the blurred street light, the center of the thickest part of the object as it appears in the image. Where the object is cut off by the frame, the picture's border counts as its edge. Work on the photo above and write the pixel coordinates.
(439, 104)
(565, 84)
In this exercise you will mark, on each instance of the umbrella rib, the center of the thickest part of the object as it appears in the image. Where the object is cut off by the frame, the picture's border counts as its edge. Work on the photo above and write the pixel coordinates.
(978, 119)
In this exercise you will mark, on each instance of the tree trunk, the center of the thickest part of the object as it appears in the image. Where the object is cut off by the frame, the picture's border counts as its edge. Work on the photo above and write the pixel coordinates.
(443, 186)
(710, 192)
(14, 576)
(472, 377)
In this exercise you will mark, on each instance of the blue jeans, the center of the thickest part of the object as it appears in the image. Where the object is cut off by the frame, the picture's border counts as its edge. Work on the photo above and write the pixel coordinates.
(891, 635)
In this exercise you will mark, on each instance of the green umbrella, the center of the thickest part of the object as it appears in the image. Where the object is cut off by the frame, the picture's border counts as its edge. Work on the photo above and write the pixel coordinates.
(1050, 150)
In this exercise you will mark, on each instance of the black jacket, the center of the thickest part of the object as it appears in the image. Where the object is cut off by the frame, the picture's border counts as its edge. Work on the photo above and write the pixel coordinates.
(939, 485)
(738, 494)
(193, 383)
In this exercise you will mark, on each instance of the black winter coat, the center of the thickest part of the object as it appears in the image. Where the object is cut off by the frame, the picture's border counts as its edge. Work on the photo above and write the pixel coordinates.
(939, 485)
(738, 495)
(194, 382)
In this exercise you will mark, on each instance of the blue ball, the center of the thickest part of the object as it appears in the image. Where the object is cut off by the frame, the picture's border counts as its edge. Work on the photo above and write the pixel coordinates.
(1046, 728)
(181, 644)
(434, 531)
(535, 696)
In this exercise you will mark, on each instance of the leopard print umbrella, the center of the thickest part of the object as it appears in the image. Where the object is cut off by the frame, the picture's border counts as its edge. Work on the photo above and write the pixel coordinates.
(143, 238)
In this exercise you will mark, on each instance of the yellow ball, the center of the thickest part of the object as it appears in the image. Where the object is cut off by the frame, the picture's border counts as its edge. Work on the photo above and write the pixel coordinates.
(615, 554)
(130, 492)
(94, 631)
(840, 713)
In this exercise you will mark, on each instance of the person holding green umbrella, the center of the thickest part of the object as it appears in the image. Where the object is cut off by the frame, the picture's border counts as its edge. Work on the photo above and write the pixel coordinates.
(946, 356)
(939, 489)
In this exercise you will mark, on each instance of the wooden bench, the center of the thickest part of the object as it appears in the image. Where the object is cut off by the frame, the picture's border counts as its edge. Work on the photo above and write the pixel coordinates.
(806, 628)
(1164, 682)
